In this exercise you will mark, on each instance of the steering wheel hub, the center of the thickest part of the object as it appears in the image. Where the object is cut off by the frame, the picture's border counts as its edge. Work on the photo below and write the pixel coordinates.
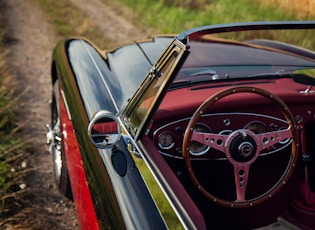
(245, 149)
(242, 148)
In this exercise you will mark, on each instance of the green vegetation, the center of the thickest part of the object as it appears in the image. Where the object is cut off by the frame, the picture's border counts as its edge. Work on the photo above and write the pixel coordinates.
(67, 20)
(169, 16)
(163, 16)
(5, 115)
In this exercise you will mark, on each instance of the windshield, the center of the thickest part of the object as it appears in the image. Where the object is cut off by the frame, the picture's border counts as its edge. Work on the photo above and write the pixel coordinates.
(157, 83)
(247, 55)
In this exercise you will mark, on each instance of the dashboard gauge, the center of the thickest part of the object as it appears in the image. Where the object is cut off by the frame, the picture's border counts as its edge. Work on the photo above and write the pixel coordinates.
(226, 132)
(197, 148)
(285, 141)
(166, 140)
(257, 127)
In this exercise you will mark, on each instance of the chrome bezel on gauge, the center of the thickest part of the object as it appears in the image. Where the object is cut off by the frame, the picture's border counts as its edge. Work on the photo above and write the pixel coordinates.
(285, 141)
(202, 148)
(225, 132)
(166, 135)
(256, 126)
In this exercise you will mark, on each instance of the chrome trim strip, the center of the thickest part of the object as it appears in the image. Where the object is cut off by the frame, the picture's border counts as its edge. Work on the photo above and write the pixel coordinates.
(140, 155)
(101, 76)
(66, 104)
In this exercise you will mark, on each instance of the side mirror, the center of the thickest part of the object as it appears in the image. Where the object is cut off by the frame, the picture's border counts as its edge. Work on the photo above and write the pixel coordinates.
(104, 130)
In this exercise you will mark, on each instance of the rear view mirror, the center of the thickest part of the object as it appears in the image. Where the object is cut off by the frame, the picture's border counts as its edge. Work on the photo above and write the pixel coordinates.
(104, 130)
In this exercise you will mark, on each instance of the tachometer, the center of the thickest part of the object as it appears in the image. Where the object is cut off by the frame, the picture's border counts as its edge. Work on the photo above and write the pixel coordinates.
(166, 140)
(197, 148)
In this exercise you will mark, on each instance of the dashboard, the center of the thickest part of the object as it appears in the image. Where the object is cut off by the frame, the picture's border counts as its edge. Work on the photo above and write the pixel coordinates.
(169, 137)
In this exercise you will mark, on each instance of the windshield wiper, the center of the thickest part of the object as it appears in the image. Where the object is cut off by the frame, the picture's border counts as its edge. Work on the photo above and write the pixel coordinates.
(212, 73)
(203, 76)
(279, 73)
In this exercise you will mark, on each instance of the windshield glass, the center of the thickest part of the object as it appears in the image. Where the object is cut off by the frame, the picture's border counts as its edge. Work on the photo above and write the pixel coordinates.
(156, 83)
(248, 54)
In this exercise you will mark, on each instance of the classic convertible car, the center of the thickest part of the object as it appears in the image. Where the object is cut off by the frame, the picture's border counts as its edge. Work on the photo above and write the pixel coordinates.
(213, 128)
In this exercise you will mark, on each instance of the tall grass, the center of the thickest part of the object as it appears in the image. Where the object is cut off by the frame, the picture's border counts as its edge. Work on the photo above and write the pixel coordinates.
(5, 116)
(11, 148)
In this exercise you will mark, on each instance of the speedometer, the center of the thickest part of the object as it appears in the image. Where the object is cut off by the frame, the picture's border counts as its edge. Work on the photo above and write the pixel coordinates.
(197, 148)
(166, 140)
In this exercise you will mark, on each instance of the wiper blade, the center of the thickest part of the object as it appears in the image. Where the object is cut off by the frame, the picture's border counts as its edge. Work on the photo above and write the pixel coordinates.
(279, 73)
(203, 76)
(212, 73)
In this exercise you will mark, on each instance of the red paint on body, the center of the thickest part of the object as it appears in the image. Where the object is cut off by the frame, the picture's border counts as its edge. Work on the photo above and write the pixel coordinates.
(81, 194)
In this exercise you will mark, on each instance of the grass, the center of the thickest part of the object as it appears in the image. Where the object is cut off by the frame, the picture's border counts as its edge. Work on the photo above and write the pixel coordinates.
(5, 116)
(165, 16)
(168, 16)
(68, 20)
(12, 154)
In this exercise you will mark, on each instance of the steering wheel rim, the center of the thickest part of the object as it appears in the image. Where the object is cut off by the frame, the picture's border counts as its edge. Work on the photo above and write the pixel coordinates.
(222, 143)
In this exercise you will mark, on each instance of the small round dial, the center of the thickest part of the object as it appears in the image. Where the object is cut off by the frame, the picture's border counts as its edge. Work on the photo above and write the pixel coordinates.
(195, 147)
(166, 140)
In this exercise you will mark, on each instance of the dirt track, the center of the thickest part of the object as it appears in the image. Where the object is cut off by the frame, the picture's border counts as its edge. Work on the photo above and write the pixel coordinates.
(31, 41)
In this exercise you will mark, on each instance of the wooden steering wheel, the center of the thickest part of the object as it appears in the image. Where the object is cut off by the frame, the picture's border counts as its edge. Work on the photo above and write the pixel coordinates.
(242, 148)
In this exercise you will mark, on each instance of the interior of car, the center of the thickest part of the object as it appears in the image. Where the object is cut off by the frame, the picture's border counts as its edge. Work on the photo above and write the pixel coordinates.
(234, 135)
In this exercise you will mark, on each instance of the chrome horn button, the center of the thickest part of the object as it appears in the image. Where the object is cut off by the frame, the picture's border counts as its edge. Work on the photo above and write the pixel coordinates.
(242, 146)
(246, 149)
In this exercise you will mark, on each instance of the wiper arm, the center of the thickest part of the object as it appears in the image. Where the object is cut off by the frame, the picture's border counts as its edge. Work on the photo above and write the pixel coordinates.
(212, 73)
(195, 78)
(185, 83)
(279, 73)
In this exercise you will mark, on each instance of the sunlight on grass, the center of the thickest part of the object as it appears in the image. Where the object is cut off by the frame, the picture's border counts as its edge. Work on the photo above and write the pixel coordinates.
(176, 17)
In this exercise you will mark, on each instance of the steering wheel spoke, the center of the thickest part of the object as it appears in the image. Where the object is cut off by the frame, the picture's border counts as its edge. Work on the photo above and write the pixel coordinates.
(241, 172)
(216, 141)
(269, 139)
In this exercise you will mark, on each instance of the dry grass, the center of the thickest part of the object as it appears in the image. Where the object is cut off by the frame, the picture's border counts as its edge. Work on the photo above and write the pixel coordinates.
(12, 155)
(304, 9)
